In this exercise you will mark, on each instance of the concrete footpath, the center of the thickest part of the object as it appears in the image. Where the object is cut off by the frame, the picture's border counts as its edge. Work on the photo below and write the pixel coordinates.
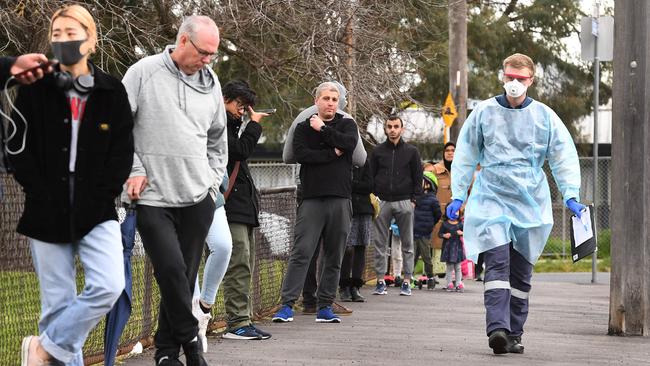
(567, 325)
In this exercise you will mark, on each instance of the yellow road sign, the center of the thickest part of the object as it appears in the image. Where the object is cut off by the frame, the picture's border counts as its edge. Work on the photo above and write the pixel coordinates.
(449, 112)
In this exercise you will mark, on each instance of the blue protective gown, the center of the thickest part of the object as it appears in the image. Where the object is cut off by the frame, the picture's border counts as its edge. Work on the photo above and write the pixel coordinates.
(510, 199)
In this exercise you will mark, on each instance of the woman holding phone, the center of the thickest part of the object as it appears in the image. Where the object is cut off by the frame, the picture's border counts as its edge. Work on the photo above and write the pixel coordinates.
(76, 154)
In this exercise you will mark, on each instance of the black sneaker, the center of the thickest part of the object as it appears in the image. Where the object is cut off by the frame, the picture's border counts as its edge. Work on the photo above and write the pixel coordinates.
(498, 341)
(398, 281)
(245, 333)
(194, 354)
(265, 335)
(344, 294)
(514, 344)
(431, 284)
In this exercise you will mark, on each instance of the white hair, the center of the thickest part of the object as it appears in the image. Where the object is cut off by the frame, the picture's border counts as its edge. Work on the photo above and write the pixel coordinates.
(326, 86)
(192, 24)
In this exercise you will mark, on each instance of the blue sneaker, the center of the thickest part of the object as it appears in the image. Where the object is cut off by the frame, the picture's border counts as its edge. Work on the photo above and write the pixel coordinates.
(246, 332)
(380, 289)
(284, 315)
(326, 315)
(406, 289)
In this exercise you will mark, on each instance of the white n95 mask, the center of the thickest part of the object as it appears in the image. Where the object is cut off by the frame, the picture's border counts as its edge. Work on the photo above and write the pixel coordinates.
(514, 88)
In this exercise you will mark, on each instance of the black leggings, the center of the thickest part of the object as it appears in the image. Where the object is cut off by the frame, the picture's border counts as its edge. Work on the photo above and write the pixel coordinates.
(352, 266)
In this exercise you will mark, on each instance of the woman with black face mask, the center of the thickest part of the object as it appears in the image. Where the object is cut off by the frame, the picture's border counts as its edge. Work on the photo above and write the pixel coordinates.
(77, 153)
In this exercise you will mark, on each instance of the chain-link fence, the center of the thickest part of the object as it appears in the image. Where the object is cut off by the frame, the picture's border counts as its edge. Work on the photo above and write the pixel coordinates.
(559, 241)
(19, 290)
(266, 174)
(274, 174)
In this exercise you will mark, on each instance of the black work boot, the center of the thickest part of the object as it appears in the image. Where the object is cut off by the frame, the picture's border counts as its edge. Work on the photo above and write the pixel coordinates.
(356, 295)
(194, 354)
(498, 341)
(344, 294)
(514, 344)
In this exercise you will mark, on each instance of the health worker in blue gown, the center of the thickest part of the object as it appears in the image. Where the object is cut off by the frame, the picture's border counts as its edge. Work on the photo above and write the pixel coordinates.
(509, 214)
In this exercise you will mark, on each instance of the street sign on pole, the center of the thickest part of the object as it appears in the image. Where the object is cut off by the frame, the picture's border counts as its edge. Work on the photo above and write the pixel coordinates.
(599, 30)
(449, 112)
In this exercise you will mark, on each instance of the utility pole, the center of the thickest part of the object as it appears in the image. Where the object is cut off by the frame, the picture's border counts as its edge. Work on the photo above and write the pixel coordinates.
(629, 309)
(457, 14)
(594, 31)
(350, 58)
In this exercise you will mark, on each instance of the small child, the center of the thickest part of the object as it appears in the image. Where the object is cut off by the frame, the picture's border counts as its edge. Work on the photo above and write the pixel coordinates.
(425, 216)
(452, 252)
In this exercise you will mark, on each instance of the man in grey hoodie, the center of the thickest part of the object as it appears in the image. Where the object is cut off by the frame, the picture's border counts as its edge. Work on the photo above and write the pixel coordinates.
(181, 152)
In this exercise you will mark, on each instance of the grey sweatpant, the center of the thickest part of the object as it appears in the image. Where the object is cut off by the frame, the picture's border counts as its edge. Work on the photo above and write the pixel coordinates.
(402, 211)
(329, 218)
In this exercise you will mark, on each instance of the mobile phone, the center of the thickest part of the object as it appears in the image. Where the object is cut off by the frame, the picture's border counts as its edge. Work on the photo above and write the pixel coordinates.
(43, 66)
(268, 111)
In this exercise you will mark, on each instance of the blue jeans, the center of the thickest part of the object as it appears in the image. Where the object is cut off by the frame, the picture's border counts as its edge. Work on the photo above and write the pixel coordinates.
(66, 317)
(220, 245)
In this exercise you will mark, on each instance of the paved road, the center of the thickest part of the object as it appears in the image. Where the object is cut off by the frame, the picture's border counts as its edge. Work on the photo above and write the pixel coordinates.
(567, 326)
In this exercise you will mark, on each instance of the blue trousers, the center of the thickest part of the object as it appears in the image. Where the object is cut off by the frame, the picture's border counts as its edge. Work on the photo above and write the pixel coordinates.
(66, 316)
(220, 246)
(507, 286)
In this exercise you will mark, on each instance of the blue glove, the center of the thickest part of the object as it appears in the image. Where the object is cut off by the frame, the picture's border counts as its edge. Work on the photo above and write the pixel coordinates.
(453, 208)
(575, 206)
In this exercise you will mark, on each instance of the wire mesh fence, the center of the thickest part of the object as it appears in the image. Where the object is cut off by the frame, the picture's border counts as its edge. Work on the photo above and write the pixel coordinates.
(559, 241)
(19, 290)
(267, 173)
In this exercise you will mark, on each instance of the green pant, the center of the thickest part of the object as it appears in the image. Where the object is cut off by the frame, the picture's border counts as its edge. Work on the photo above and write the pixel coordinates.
(237, 281)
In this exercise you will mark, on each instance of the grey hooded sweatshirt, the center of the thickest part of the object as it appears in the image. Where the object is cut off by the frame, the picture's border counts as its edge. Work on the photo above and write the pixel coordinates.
(179, 131)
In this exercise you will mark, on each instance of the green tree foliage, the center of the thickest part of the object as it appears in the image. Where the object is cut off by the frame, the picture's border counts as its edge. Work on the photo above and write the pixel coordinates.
(388, 53)
(497, 29)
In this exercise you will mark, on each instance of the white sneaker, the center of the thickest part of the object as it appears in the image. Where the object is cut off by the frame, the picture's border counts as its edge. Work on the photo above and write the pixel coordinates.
(204, 320)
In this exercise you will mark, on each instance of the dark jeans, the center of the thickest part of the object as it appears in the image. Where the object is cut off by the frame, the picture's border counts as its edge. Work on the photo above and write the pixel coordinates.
(173, 238)
(352, 267)
(330, 219)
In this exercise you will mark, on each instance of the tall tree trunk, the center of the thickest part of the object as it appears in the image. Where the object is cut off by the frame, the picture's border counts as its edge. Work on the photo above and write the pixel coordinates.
(350, 59)
(629, 303)
(458, 61)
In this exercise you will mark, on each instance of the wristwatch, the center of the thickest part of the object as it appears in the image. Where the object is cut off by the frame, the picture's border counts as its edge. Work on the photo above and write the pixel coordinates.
(323, 128)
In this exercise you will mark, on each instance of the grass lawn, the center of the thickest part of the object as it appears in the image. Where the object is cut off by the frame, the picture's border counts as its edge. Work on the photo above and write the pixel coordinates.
(20, 306)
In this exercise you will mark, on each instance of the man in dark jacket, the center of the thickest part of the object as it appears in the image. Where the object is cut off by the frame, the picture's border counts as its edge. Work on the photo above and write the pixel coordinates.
(396, 172)
(242, 209)
(323, 146)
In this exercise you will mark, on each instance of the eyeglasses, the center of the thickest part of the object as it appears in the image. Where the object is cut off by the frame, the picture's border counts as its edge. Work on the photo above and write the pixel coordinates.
(202, 52)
